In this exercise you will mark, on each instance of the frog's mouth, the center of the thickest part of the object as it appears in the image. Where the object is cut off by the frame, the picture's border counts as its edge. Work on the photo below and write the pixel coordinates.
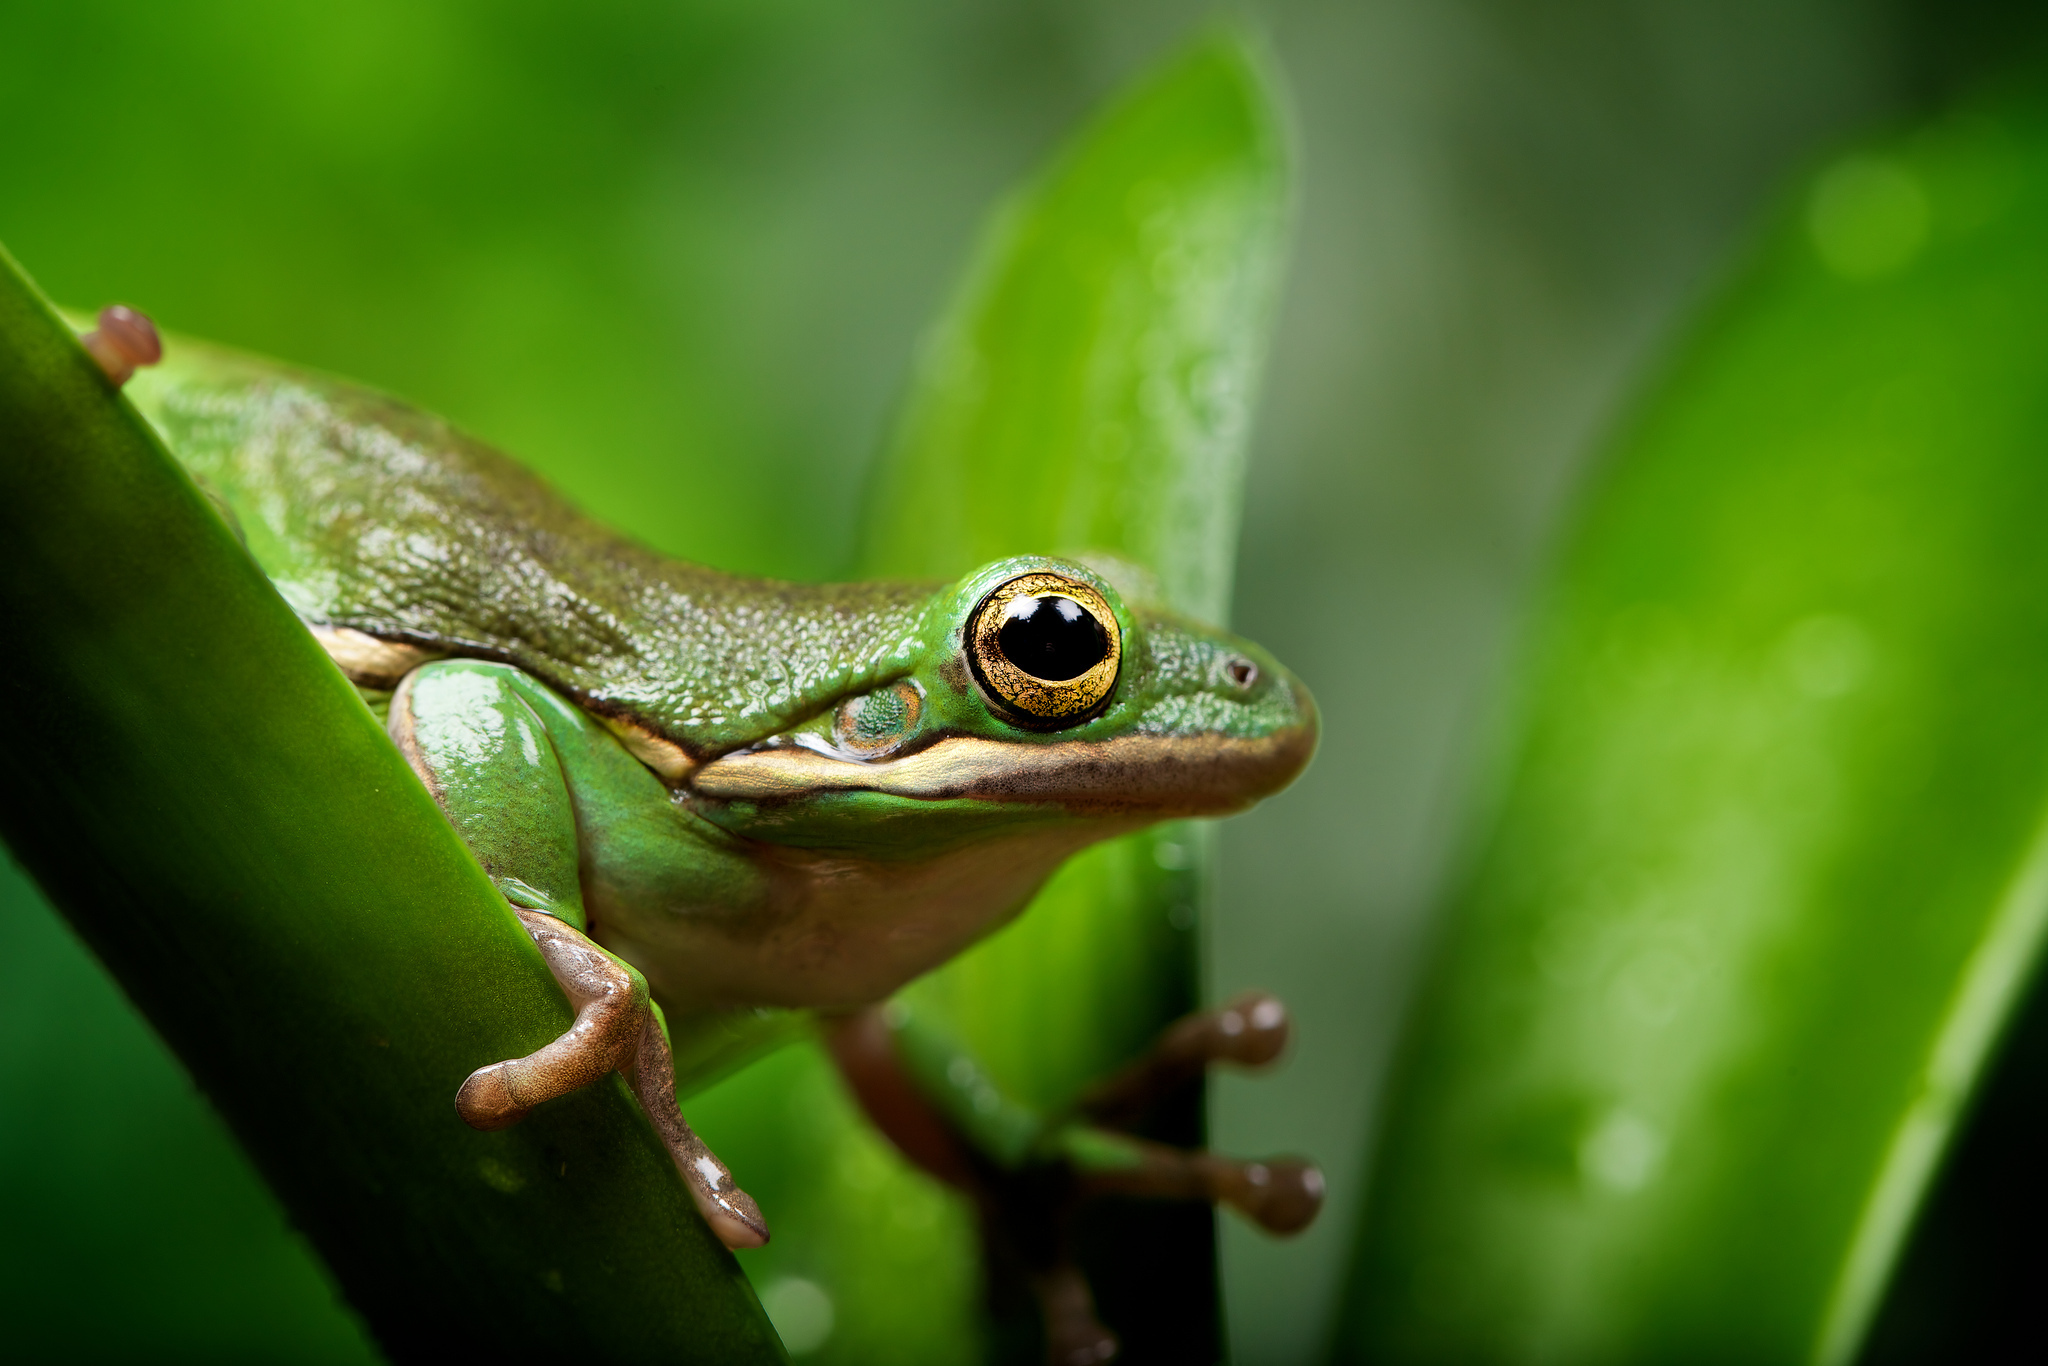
(1159, 775)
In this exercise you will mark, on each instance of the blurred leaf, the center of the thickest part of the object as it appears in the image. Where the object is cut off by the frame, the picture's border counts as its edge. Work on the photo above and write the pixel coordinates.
(224, 822)
(1091, 389)
(1768, 869)
(1087, 393)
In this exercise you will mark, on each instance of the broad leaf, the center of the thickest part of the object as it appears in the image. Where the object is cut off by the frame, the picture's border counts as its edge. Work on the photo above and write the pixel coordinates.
(1769, 868)
(216, 811)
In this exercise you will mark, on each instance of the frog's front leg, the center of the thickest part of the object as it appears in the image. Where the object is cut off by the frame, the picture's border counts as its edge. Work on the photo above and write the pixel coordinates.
(730, 1211)
(611, 1020)
(479, 736)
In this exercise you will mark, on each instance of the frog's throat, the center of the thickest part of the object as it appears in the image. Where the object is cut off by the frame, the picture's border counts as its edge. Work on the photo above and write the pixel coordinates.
(1159, 775)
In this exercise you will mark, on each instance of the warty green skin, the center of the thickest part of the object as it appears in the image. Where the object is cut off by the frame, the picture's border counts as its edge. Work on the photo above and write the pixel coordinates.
(738, 855)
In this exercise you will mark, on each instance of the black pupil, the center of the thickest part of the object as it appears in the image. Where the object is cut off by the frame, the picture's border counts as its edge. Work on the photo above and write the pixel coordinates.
(1052, 637)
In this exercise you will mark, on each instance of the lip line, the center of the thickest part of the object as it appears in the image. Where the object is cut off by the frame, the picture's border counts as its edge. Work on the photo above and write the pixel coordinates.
(1209, 773)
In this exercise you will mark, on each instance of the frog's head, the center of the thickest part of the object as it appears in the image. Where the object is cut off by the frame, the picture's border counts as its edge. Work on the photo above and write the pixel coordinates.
(1033, 695)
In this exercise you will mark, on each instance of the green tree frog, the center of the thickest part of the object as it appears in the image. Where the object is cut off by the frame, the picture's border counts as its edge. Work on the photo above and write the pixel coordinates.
(730, 796)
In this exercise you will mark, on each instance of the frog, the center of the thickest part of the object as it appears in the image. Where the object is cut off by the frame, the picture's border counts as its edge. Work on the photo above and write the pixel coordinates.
(719, 803)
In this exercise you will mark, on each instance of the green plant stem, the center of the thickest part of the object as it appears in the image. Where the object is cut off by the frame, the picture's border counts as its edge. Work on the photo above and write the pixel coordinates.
(220, 817)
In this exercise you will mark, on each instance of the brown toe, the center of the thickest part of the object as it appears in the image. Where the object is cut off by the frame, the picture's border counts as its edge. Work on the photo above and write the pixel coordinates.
(1282, 1196)
(486, 1102)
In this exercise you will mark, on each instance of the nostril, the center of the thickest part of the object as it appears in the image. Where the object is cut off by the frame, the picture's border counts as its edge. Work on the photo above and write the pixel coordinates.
(1241, 671)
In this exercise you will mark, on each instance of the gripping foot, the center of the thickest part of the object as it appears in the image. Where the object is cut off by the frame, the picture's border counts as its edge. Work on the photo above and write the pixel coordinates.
(1250, 1030)
(1027, 1212)
(618, 1028)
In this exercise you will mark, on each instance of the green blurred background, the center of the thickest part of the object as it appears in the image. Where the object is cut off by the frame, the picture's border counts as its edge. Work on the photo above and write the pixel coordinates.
(677, 256)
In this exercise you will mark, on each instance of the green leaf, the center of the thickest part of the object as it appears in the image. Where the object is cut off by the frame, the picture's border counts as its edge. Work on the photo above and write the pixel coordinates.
(1087, 392)
(1768, 868)
(209, 802)
(1090, 391)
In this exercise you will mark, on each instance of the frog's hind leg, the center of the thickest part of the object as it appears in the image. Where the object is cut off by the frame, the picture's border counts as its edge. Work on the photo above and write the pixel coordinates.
(910, 1079)
(477, 735)
(1249, 1030)
(1024, 1215)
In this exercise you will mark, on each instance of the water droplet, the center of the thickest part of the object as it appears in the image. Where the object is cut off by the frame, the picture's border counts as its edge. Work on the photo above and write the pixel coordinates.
(1828, 655)
(1868, 216)
(801, 1311)
(1622, 1153)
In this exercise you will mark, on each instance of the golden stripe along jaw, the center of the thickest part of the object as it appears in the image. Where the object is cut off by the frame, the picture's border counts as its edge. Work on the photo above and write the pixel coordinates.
(1161, 775)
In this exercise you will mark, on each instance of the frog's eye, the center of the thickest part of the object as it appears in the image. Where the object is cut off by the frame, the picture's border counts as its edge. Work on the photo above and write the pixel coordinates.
(1046, 647)
(875, 723)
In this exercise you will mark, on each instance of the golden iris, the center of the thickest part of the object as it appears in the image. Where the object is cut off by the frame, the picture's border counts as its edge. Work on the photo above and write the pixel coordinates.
(1046, 647)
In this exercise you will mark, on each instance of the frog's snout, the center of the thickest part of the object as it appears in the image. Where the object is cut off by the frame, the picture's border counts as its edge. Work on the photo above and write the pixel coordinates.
(1217, 771)
(1279, 757)
(1309, 726)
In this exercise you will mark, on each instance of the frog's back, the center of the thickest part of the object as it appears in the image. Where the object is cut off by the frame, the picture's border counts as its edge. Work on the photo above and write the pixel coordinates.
(374, 517)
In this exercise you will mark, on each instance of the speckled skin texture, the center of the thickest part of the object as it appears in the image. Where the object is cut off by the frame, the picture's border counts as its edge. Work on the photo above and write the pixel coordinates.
(781, 865)
(372, 515)
(368, 513)
(736, 793)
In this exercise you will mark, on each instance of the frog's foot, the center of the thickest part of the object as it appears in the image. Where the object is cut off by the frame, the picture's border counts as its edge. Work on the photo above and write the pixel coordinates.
(1027, 1213)
(612, 1010)
(1073, 1335)
(617, 1028)
(730, 1211)
(1282, 1195)
(124, 341)
(1250, 1030)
